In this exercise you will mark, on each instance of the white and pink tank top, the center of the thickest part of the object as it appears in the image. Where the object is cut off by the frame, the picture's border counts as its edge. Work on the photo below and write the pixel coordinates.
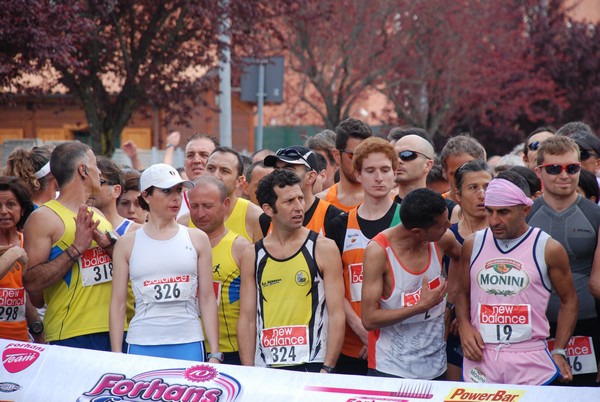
(510, 287)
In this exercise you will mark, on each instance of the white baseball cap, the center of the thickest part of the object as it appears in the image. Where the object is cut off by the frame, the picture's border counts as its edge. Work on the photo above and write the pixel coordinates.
(163, 176)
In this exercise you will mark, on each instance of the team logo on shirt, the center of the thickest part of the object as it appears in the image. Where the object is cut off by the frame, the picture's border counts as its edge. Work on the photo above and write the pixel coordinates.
(503, 277)
(301, 278)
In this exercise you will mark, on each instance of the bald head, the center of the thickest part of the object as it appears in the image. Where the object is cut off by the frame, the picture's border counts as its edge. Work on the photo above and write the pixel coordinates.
(415, 143)
(415, 160)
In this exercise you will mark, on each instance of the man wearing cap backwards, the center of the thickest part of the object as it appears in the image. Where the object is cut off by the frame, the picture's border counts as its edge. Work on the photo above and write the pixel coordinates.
(573, 221)
(318, 213)
(502, 293)
(170, 269)
(69, 254)
(208, 206)
(291, 307)
(375, 162)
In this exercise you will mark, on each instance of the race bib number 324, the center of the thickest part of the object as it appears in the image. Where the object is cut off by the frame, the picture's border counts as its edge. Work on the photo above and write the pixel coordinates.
(285, 345)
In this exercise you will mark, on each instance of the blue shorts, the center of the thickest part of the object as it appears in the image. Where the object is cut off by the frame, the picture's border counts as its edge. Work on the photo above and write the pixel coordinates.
(99, 341)
(183, 351)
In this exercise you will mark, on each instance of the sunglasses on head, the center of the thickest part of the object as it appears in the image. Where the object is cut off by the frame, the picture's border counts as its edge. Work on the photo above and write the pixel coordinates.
(290, 152)
(407, 155)
(555, 169)
(534, 146)
(585, 154)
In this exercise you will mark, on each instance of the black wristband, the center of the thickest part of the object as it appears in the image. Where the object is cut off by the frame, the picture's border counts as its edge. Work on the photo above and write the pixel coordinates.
(70, 256)
(327, 368)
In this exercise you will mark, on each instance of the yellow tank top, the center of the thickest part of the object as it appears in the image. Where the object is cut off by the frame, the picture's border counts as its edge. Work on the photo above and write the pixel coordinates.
(78, 303)
(226, 282)
(291, 293)
(237, 219)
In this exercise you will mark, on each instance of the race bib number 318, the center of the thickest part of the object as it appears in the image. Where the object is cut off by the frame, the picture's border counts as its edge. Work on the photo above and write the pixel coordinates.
(96, 266)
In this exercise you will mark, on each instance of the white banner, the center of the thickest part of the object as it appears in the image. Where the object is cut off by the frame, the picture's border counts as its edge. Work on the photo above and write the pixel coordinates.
(32, 373)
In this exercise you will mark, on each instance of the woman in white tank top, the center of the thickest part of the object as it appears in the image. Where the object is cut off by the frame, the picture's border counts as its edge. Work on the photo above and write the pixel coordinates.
(170, 268)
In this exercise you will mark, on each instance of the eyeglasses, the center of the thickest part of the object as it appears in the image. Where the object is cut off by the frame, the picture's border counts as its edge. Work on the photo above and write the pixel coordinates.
(349, 153)
(407, 155)
(586, 154)
(555, 169)
(103, 182)
(534, 146)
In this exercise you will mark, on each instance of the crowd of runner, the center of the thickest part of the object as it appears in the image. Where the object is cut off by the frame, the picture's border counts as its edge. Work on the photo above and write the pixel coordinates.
(349, 254)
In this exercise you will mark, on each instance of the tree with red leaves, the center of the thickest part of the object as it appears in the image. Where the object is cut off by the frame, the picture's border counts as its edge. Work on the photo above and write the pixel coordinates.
(569, 52)
(337, 49)
(467, 68)
(117, 57)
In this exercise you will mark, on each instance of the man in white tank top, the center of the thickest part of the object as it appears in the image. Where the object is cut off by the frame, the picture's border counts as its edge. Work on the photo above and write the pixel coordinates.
(403, 290)
(503, 289)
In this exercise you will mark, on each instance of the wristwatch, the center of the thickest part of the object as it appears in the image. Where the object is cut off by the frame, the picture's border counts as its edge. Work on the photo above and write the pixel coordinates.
(36, 327)
(112, 237)
(219, 356)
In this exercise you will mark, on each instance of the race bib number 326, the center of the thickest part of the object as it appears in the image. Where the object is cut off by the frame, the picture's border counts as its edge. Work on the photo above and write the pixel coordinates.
(169, 289)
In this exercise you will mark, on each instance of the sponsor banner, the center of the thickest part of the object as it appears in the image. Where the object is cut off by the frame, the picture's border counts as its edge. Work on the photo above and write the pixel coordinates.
(31, 372)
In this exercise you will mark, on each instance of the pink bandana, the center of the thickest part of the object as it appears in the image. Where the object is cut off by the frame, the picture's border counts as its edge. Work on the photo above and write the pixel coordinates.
(503, 193)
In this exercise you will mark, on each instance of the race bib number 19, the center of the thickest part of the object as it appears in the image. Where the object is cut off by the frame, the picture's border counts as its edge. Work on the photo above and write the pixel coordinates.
(580, 354)
(285, 345)
(505, 323)
(96, 266)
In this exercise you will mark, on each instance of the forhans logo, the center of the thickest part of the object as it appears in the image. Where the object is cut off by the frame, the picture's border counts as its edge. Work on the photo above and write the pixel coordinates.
(503, 277)
(301, 278)
(175, 384)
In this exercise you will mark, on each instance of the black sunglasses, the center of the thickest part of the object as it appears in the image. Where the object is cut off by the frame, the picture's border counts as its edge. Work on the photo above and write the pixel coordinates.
(534, 146)
(103, 182)
(349, 153)
(555, 169)
(586, 154)
(407, 155)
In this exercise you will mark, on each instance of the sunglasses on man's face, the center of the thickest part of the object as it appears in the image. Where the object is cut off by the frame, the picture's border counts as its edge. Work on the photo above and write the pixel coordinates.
(585, 154)
(408, 156)
(534, 146)
(555, 169)
(349, 153)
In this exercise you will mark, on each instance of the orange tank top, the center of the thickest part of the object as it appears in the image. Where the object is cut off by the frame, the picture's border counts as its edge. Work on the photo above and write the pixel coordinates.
(13, 324)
